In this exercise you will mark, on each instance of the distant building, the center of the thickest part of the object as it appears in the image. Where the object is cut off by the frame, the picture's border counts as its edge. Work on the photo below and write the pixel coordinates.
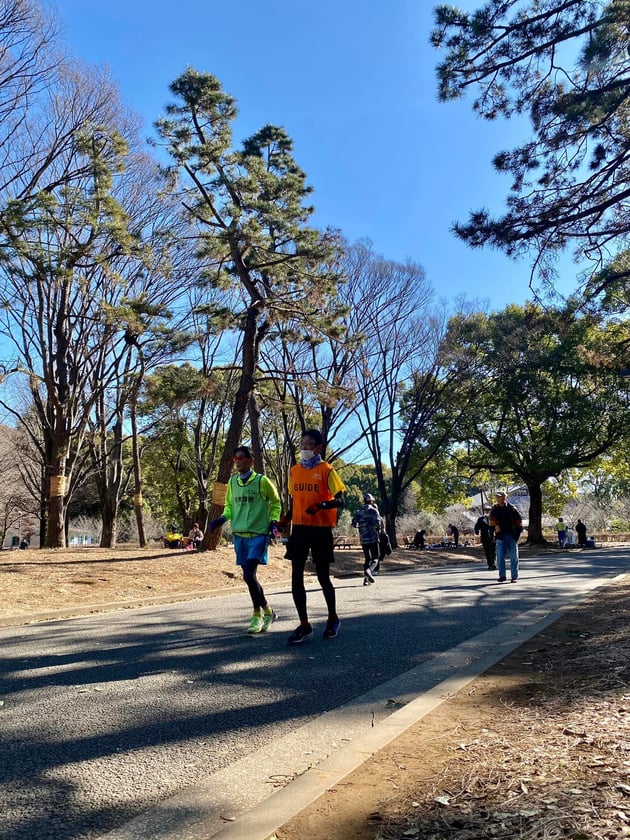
(518, 495)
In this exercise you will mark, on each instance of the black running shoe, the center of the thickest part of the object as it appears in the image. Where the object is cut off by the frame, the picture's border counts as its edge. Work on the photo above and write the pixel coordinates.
(300, 634)
(332, 629)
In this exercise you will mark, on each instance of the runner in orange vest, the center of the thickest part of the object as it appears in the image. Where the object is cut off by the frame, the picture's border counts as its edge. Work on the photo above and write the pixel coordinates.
(316, 495)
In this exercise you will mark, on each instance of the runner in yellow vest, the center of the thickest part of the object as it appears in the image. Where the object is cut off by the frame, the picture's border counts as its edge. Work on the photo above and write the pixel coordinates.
(252, 505)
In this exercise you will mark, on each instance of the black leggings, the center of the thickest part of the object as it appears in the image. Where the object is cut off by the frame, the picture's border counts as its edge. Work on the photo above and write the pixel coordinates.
(370, 552)
(319, 540)
(299, 590)
(253, 584)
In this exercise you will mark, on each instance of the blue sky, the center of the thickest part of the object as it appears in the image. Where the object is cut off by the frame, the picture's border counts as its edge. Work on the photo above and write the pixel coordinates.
(354, 85)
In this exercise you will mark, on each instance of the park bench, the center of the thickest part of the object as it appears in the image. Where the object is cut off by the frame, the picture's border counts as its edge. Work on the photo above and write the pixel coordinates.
(346, 543)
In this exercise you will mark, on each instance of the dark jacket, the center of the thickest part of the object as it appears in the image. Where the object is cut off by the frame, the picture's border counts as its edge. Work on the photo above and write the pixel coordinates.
(482, 527)
(506, 520)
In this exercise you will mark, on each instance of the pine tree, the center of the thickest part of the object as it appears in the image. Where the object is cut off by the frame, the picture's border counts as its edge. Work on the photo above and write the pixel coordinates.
(566, 64)
(249, 206)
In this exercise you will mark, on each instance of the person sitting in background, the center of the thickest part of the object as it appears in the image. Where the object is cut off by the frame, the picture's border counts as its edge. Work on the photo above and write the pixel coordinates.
(195, 536)
(418, 540)
(173, 539)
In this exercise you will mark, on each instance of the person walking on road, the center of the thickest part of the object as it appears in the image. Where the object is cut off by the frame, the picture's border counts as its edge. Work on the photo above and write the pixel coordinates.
(508, 525)
(316, 493)
(252, 504)
(482, 528)
(368, 520)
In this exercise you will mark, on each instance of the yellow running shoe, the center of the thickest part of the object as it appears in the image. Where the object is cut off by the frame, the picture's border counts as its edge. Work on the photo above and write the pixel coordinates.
(256, 625)
(269, 616)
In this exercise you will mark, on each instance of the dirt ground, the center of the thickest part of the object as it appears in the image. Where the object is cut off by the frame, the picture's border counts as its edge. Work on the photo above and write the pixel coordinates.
(89, 579)
(537, 748)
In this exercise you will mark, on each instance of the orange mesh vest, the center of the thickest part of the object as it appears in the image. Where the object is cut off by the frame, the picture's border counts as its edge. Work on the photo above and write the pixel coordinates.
(319, 484)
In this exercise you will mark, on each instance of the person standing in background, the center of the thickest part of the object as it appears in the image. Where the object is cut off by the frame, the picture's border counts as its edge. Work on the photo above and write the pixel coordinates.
(508, 525)
(482, 528)
(580, 530)
(453, 531)
(561, 529)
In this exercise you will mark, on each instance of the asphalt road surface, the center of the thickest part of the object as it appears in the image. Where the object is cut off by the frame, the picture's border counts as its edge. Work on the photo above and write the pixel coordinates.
(102, 718)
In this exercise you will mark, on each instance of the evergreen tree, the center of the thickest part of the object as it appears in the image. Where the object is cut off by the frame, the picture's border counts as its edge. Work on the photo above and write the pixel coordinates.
(249, 205)
(566, 65)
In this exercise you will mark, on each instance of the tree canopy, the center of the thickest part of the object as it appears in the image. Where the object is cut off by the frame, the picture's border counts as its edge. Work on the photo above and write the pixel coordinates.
(566, 65)
(545, 392)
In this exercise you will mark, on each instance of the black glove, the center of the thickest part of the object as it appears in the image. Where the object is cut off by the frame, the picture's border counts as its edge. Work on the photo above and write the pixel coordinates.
(216, 523)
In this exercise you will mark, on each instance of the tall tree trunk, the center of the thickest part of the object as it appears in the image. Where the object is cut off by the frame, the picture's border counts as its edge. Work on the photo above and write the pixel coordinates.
(534, 531)
(254, 423)
(137, 485)
(43, 509)
(137, 469)
(55, 532)
(109, 517)
(235, 429)
(202, 476)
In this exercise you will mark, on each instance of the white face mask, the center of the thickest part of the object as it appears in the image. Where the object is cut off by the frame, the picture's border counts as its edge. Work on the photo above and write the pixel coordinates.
(307, 454)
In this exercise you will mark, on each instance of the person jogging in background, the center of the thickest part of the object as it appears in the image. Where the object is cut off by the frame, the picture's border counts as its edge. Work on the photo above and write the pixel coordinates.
(316, 494)
(252, 505)
(368, 520)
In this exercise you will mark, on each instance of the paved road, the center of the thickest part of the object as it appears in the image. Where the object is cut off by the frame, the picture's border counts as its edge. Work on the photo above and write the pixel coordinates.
(104, 717)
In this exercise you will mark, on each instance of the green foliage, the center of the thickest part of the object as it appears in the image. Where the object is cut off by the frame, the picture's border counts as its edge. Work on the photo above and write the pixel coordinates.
(360, 479)
(608, 477)
(442, 484)
(567, 66)
(557, 493)
(545, 388)
(170, 484)
(249, 206)
(172, 386)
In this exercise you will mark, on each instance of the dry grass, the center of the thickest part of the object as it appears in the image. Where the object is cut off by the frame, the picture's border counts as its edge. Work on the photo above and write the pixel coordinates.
(92, 579)
(537, 748)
